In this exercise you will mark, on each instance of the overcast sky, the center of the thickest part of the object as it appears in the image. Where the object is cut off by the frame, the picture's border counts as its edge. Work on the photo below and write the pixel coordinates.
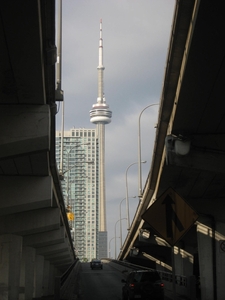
(136, 36)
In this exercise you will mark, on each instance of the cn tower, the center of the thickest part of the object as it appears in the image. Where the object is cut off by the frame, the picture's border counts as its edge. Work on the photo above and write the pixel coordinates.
(101, 115)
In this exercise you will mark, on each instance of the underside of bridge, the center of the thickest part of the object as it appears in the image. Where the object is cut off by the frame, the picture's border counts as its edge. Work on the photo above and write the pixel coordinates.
(182, 208)
(35, 241)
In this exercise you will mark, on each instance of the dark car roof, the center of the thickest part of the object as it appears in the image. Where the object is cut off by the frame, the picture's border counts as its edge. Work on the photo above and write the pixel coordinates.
(147, 274)
(144, 271)
(96, 260)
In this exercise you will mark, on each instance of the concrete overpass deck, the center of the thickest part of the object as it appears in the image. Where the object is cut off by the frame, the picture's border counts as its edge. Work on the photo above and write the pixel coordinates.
(189, 156)
(35, 241)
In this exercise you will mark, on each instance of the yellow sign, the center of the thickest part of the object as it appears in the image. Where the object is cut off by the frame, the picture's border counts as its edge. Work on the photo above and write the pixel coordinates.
(170, 216)
(70, 216)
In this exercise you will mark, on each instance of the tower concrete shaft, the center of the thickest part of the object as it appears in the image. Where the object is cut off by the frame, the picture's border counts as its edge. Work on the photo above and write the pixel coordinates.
(101, 136)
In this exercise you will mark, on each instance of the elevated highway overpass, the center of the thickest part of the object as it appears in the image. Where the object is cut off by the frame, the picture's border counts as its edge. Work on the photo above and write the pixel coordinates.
(35, 241)
(188, 163)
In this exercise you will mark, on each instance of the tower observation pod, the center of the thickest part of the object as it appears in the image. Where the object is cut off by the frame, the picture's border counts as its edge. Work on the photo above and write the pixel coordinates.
(100, 112)
(101, 115)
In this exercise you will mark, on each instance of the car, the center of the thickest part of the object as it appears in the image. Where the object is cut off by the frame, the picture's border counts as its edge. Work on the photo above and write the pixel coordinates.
(96, 264)
(143, 284)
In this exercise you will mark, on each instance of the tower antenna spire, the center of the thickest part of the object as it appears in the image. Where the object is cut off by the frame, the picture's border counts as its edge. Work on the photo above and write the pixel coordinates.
(100, 67)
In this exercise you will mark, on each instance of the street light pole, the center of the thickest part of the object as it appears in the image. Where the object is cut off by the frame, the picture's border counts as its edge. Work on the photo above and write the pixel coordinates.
(109, 244)
(139, 150)
(127, 204)
(115, 233)
(121, 222)
(115, 238)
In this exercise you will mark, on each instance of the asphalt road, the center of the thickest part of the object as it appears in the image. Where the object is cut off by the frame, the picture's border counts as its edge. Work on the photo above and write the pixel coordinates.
(101, 284)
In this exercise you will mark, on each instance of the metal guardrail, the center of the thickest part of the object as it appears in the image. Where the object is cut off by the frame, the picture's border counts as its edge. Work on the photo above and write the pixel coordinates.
(166, 276)
(179, 279)
(65, 284)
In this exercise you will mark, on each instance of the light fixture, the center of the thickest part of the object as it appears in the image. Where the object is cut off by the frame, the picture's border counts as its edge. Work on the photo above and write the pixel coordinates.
(144, 233)
(178, 145)
(134, 251)
(182, 147)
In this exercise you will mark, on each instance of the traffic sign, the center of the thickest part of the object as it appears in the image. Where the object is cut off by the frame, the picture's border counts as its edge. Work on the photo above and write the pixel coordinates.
(170, 216)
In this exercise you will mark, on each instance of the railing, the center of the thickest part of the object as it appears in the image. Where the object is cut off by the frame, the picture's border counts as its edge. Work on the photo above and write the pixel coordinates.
(166, 276)
(66, 284)
(179, 279)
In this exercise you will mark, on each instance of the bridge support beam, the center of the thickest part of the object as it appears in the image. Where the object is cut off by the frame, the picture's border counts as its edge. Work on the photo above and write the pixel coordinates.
(53, 249)
(28, 130)
(31, 193)
(34, 221)
(44, 239)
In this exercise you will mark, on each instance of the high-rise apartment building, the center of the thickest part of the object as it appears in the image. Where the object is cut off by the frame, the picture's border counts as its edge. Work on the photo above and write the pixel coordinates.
(80, 185)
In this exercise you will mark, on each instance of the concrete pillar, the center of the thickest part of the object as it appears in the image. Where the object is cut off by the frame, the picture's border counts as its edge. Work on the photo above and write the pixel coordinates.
(184, 266)
(27, 274)
(46, 278)
(10, 261)
(205, 252)
(178, 260)
(184, 260)
(38, 276)
(220, 259)
(52, 274)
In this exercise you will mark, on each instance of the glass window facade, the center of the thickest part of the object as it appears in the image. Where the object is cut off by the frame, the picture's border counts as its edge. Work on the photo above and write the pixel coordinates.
(80, 188)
